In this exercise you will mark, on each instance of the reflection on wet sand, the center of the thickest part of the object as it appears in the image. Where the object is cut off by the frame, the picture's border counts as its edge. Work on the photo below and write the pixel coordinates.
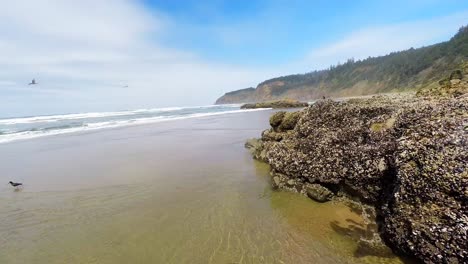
(335, 225)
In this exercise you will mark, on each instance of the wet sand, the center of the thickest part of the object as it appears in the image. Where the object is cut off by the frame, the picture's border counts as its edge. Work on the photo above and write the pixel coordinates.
(173, 192)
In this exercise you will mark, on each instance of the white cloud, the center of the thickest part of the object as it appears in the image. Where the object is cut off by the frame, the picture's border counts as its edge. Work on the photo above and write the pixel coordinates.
(381, 40)
(91, 49)
(115, 23)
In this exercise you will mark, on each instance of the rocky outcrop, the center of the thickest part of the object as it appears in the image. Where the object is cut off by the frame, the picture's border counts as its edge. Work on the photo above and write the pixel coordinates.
(318, 192)
(405, 155)
(455, 85)
(426, 213)
(334, 136)
(285, 103)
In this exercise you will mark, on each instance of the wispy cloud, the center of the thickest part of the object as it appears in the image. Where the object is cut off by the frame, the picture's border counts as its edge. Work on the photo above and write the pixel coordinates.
(381, 40)
(94, 49)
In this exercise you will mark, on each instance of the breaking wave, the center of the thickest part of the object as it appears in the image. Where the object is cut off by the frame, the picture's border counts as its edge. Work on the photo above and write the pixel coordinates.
(20, 128)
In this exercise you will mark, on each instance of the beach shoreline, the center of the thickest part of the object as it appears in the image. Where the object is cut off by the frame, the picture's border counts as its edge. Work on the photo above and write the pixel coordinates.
(24, 128)
(176, 191)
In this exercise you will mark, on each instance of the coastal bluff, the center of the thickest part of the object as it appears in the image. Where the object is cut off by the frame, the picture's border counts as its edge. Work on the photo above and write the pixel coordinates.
(404, 155)
(234, 97)
(400, 71)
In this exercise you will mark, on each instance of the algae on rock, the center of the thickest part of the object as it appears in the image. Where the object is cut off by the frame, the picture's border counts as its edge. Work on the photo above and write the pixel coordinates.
(405, 155)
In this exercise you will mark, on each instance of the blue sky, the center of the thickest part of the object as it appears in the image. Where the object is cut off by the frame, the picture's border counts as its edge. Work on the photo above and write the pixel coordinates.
(176, 53)
(265, 32)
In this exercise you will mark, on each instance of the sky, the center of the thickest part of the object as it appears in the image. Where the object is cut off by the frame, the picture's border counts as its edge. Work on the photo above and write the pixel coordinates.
(112, 55)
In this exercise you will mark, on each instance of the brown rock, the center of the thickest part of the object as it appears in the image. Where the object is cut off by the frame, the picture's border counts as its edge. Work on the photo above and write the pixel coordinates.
(407, 156)
(318, 193)
(276, 119)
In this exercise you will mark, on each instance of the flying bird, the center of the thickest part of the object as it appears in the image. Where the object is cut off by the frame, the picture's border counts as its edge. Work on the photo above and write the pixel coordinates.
(33, 82)
(15, 184)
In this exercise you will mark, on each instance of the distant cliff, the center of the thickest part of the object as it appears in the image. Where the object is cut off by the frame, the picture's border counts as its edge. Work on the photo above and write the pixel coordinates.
(239, 96)
(398, 71)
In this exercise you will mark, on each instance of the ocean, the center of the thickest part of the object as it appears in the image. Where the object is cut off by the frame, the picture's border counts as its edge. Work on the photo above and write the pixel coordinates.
(20, 128)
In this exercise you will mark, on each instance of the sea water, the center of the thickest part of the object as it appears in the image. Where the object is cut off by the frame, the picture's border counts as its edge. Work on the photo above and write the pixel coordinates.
(18, 128)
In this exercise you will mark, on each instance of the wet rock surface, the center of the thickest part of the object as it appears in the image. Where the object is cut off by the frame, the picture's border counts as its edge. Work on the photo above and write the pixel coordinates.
(428, 212)
(318, 193)
(404, 155)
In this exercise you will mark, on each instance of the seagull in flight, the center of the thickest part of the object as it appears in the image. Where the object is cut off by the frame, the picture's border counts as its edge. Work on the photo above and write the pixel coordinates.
(33, 82)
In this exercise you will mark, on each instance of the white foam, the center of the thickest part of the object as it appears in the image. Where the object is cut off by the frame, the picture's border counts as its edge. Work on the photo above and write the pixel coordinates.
(152, 110)
(56, 118)
(112, 124)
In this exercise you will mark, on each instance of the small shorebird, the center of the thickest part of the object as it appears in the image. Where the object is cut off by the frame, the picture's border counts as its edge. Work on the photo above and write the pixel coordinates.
(15, 184)
(33, 82)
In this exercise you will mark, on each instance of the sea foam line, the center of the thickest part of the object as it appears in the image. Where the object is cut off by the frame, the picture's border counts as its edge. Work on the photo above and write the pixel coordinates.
(56, 118)
(111, 124)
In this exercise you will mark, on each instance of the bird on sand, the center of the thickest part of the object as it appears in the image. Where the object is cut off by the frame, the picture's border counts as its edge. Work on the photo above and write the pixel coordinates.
(33, 82)
(15, 184)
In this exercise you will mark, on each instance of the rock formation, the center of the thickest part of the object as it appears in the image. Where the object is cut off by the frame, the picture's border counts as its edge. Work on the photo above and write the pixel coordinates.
(404, 155)
(285, 103)
(455, 85)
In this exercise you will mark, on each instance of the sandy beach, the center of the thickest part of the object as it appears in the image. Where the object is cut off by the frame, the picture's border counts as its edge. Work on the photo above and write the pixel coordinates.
(184, 191)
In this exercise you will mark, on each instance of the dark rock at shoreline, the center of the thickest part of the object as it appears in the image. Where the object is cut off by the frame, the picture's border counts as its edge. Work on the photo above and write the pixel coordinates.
(276, 119)
(289, 121)
(256, 148)
(283, 121)
(405, 155)
(285, 103)
(253, 143)
(332, 144)
(428, 213)
(373, 248)
(271, 135)
(318, 193)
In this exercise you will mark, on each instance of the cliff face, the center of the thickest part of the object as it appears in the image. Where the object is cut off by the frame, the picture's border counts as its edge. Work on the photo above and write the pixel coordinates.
(398, 71)
(405, 155)
(239, 96)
